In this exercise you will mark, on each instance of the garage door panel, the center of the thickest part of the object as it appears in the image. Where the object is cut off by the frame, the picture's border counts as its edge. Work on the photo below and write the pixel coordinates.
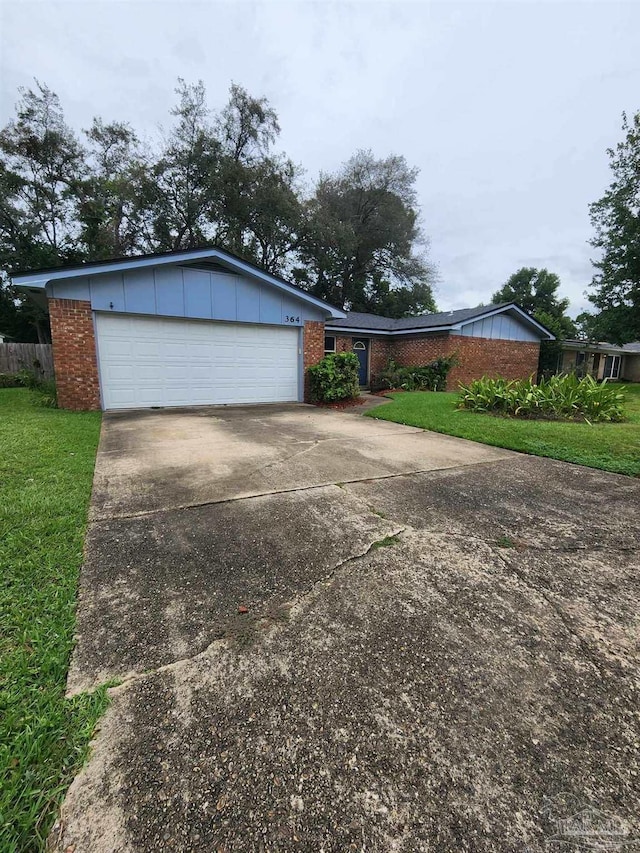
(158, 361)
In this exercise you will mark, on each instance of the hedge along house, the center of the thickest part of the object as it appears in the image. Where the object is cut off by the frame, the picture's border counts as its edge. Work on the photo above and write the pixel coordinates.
(490, 340)
(181, 328)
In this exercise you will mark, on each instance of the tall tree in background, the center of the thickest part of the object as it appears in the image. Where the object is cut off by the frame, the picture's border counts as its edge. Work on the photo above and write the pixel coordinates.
(113, 199)
(43, 160)
(185, 175)
(257, 206)
(214, 178)
(537, 292)
(616, 219)
(40, 162)
(361, 236)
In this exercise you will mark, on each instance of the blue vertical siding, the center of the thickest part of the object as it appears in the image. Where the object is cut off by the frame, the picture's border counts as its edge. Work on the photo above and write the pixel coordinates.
(169, 289)
(248, 301)
(198, 300)
(173, 291)
(138, 289)
(500, 326)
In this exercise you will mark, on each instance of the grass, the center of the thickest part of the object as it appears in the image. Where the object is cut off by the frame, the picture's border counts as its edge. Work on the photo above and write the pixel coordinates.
(46, 469)
(608, 446)
(385, 543)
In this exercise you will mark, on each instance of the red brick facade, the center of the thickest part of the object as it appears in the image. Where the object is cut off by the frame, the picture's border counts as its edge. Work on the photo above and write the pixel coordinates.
(313, 349)
(478, 356)
(74, 354)
(492, 357)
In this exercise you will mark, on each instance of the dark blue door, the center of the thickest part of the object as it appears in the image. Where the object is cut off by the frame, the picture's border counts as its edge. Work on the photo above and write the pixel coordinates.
(361, 349)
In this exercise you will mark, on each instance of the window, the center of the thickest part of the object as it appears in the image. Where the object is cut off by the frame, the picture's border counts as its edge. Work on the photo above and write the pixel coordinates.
(329, 344)
(611, 367)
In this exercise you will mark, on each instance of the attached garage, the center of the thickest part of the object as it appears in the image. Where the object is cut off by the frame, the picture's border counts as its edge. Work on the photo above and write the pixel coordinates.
(189, 328)
(153, 361)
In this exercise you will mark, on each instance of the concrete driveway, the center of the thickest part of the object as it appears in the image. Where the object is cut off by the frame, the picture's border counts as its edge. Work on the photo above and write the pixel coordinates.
(439, 650)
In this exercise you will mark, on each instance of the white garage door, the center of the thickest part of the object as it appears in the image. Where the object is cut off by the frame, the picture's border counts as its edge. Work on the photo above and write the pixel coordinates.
(156, 361)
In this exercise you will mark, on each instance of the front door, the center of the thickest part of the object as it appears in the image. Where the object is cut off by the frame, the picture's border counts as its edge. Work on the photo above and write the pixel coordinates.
(361, 349)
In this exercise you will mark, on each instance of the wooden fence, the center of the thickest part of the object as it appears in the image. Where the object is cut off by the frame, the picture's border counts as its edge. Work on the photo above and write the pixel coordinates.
(35, 357)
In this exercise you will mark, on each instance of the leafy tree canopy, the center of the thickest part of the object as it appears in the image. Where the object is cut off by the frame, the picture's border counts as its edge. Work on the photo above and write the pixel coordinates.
(616, 220)
(361, 242)
(212, 177)
(537, 292)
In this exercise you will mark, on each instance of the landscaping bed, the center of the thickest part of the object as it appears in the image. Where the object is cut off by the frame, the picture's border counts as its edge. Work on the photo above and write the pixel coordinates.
(46, 471)
(342, 404)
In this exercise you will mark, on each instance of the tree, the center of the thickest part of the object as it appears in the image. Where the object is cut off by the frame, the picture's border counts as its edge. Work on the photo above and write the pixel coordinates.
(257, 207)
(616, 219)
(185, 175)
(360, 230)
(400, 301)
(41, 161)
(113, 200)
(537, 292)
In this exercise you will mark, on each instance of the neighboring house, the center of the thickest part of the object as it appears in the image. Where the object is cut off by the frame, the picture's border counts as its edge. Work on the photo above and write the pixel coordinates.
(600, 360)
(202, 326)
(490, 340)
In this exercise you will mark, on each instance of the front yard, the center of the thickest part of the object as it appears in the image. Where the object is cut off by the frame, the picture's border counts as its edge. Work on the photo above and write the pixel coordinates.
(46, 469)
(611, 447)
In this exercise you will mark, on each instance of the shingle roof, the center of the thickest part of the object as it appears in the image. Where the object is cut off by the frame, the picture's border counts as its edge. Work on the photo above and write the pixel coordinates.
(358, 320)
(600, 345)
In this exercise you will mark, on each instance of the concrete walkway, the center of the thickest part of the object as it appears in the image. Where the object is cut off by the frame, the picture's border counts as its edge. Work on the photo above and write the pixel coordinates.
(341, 634)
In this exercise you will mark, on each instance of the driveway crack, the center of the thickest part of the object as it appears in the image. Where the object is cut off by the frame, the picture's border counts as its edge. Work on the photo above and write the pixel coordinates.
(293, 606)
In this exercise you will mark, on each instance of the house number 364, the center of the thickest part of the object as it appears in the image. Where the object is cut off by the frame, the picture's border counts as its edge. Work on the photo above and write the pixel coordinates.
(289, 319)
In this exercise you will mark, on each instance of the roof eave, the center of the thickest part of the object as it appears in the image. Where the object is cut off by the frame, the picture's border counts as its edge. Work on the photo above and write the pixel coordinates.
(365, 331)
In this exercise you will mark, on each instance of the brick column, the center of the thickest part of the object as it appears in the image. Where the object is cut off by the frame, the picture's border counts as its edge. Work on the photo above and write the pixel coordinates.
(74, 354)
(313, 349)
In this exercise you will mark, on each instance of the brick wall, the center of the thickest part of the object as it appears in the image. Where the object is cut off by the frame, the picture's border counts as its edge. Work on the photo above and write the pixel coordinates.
(74, 354)
(416, 350)
(491, 357)
(313, 349)
(478, 356)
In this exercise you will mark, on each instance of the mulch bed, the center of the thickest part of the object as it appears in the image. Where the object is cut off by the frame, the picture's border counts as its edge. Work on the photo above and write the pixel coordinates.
(342, 404)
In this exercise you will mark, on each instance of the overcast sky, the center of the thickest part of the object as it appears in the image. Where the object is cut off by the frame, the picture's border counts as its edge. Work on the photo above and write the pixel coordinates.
(507, 108)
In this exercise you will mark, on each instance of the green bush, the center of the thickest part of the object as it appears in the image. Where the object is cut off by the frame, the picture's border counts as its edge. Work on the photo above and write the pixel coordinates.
(429, 377)
(45, 393)
(334, 378)
(22, 379)
(9, 380)
(558, 397)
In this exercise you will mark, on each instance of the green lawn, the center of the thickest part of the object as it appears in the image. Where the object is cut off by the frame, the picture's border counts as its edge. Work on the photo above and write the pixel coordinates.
(612, 447)
(46, 468)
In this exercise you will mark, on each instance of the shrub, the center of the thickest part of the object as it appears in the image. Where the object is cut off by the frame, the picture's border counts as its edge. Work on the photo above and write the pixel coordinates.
(45, 393)
(22, 379)
(429, 377)
(391, 377)
(557, 397)
(334, 378)
(9, 380)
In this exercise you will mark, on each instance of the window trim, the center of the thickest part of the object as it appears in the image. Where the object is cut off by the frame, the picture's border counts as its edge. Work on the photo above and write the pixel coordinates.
(328, 351)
